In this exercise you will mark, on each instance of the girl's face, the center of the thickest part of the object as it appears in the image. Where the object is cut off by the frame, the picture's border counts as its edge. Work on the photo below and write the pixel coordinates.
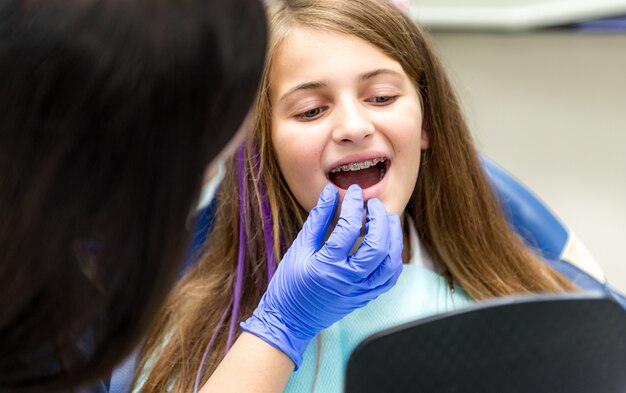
(343, 111)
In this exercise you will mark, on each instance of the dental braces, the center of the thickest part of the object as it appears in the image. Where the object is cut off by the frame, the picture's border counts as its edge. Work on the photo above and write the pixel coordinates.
(357, 166)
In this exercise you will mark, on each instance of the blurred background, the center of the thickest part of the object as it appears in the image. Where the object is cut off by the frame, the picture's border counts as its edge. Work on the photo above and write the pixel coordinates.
(543, 84)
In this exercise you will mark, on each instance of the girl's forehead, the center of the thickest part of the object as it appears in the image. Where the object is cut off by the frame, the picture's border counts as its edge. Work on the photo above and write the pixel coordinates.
(315, 52)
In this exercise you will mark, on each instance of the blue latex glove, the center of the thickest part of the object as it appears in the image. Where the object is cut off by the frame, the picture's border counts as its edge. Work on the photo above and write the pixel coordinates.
(317, 284)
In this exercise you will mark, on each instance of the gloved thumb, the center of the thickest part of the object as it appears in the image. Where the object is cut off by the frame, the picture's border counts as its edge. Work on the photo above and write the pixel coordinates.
(316, 225)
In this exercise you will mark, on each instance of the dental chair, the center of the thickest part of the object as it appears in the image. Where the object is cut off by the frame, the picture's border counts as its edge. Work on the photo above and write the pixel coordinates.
(543, 231)
(530, 218)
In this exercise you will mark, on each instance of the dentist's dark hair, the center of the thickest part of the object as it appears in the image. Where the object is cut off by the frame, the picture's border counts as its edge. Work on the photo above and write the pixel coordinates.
(110, 112)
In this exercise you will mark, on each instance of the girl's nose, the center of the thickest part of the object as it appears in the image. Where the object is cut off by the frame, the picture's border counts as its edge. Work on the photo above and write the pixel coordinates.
(352, 122)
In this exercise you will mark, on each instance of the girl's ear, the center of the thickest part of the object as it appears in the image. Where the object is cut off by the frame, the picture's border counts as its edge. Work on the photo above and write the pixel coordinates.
(425, 143)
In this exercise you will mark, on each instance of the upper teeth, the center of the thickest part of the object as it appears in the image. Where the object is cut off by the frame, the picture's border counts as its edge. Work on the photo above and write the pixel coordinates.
(357, 166)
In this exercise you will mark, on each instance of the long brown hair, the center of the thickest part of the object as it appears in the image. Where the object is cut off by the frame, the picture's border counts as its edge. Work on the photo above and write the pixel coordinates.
(457, 217)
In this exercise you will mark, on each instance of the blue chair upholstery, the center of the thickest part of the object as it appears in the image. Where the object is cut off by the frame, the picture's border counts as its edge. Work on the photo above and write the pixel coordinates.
(123, 375)
(530, 218)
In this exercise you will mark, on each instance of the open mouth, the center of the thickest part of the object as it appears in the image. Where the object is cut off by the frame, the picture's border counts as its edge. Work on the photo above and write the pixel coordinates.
(364, 173)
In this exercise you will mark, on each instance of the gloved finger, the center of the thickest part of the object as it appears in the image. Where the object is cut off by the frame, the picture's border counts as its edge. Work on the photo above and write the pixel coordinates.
(392, 264)
(396, 237)
(375, 246)
(383, 287)
(348, 228)
(319, 219)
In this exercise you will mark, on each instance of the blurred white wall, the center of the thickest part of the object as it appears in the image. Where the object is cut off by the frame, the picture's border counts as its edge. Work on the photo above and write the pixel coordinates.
(511, 15)
(550, 107)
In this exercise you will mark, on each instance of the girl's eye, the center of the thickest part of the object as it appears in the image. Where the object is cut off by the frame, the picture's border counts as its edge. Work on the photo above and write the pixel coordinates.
(382, 99)
(310, 114)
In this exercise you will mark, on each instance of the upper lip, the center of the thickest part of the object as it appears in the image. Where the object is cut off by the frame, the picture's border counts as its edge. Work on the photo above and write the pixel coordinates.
(356, 158)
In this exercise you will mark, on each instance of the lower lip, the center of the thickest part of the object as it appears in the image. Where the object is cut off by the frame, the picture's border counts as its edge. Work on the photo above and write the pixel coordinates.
(372, 191)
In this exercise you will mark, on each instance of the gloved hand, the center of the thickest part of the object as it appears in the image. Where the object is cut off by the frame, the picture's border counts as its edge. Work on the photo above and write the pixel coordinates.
(317, 284)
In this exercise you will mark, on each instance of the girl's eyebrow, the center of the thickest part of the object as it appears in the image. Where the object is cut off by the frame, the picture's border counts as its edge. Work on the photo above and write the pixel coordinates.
(371, 74)
(303, 86)
(318, 85)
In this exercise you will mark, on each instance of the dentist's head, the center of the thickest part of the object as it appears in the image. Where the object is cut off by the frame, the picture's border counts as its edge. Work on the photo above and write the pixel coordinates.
(110, 112)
